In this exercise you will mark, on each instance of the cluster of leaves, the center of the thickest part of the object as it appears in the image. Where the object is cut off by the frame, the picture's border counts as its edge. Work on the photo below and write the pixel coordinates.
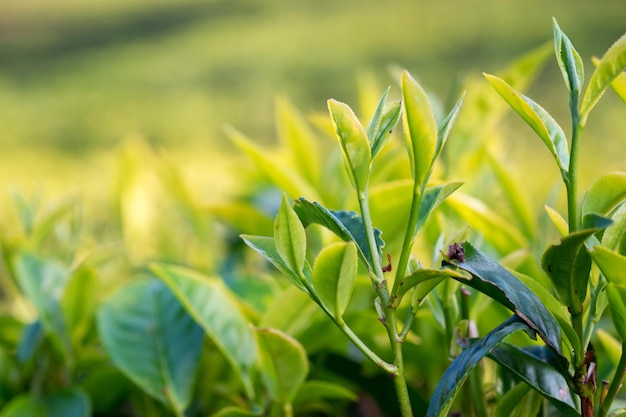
(210, 329)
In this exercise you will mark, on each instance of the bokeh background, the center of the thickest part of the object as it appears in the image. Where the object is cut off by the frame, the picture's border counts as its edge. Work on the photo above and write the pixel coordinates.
(78, 79)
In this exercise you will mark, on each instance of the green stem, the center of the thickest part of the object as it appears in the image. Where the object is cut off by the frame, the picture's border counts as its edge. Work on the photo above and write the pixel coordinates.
(399, 381)
(409, 237)
(616, 383)
(572, 182)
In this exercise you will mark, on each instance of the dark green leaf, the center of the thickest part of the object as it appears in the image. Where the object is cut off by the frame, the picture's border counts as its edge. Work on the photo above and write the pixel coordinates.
(568, 265)
(458, 371)
(217, 311)
(538, 119)
(538, 374)
(66, 403)
(612, 64)
(152, 340)
(420, 128)
(569, 61)
(498, 283)
(32, 335)
(347, 225)
(354, 143)
(265, 247)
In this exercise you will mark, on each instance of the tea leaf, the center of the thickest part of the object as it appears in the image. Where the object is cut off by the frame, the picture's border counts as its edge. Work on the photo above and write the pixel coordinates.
(611, 65)
(569, 61)
(447, 124)
(296, 135)
(540, 375)
(284, 364)
(235, 412)
(152, 340)
(509, 403)
(280, 174)
(347, 225)
(458, 371)
(334, 273)
(605, 194)
(290, 237)
(420, 128)
(354, 143)
(557, 220)
(382, 124)
(614, 236)
(215, 309)
(265, 247)
(319, 390)
(612, 264)
(432, 198)
(67, 402)
(538, 119)
(499, 284)
(568, 265)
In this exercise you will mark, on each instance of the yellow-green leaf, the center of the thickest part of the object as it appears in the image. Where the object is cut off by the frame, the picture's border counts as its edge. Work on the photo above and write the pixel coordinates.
(354, 143)
(290, 237)
(612, 264)
(334, 273)
(420, 128)
(604, 194)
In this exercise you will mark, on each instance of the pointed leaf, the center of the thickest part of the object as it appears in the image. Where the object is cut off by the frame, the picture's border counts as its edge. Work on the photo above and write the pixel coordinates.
(289, 237)
(420, 276)
(420, 128)
(614, 236)
(353, 141)
(280, 174)
(432, 198)
(347, 225)
(612, 264)
(569, 61)
(619, 85)
(538, 119)
(605, 194)
(373, 127)
(152, 340)
(214, 308)
(79, 302)
(458, 371)
(539, 374)
(235, 412)
(284, 364)
(334, 273)
(511, 400)
(499, 284)
(265, 247)
(297, 136)
(388, 122)
(612, 64)
(568, 265)
(446, 126)
(557, 220)
(322, 390)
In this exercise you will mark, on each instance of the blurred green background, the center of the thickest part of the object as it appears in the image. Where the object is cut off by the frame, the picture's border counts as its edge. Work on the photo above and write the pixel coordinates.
(78, 78)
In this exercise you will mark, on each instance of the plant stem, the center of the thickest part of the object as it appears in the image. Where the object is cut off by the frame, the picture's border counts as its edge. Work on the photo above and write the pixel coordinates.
(572, 183)
(399, 380)
(616, 383)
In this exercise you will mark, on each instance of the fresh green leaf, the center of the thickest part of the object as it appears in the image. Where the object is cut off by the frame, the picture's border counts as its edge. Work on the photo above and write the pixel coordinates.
(568, 265)
(420, 276)
(321, 390)
(619, 85)
(284, 364)
(152, 340)
(266, 247)
(334, 273)
(511, 400)
(65, 403)
(297, 136)
(420, 128)
(290, 237)
(614, 237)
(235, 412)
(373, 127)
(280, 174)
(432, 198)
(538, 119)
(612, 64)
(214, 308)
(354, 143)
(605, 194)
(23, 406)
(499, 284)
(458, 371)
(539, 374)
(446, 126)
(79, 302)
(30, 340)
(388, 122)
(569, 61)
(557, 220)
(612, 264)
(347, 225)
(617, 303)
